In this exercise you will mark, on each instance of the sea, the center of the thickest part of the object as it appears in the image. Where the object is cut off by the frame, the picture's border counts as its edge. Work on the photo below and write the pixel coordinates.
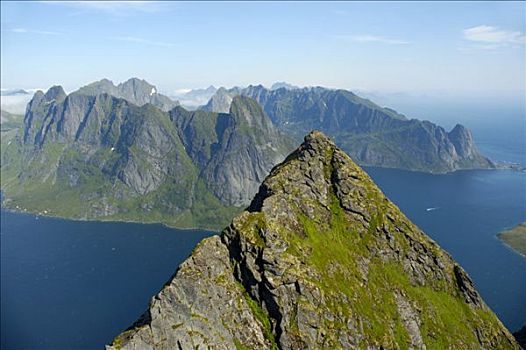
(76, 284)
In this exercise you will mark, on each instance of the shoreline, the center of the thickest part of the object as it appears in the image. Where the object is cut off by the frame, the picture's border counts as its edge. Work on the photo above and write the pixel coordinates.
(518, 168)
(47, 215)
(511, 248)
(514, 238)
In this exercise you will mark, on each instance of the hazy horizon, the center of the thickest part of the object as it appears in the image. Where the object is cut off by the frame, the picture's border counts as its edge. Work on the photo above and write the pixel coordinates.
(467, 49)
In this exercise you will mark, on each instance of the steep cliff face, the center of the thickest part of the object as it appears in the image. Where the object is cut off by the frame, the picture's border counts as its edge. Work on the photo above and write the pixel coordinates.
(99, 156)
(320, 259)
(372, 135)
(221, 100)
(234, 151)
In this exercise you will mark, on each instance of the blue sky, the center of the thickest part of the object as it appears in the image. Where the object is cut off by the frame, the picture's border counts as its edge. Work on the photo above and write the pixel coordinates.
(450, 47)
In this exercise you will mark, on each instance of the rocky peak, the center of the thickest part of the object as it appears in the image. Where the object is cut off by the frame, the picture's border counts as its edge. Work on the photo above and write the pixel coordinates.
(247, 110)
(220, 101)
(37, 97)
(320, 259)
(235, 150)
(55, 93)
(135, 90)
(211, 89)
(462, 140)
(371, 134)
(139, 88)
(39, 110)
(104, 83)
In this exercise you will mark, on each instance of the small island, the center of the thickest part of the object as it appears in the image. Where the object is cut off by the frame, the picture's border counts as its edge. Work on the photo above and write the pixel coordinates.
(515, 238)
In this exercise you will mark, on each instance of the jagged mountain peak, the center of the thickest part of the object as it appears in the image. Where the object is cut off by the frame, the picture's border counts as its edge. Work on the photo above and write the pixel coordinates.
(100, 86)
(235, 150)
(137, 83)
(248, 110)
(371, 134)
(56, 93)
(135, 90)
(38, 95)
(211, 89)
(316, 137)
(135, 80)
(460, 129)
(320, 259)
(103, 81)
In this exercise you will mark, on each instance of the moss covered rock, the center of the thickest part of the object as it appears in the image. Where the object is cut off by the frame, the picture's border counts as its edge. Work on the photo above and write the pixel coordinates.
(320, 259)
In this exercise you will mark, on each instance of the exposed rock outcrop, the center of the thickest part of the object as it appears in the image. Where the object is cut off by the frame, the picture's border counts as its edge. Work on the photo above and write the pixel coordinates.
(320, 259)
(234, 151)
(93, 156)
(134, 90)
(220, 102)
(370, 134)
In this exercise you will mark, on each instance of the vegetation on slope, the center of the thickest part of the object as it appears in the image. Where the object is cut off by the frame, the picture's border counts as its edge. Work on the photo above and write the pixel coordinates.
(515, 238)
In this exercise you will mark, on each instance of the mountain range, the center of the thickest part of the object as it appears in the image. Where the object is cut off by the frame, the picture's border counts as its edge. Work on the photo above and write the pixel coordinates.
(91, 154)
(320, 259)
(126, 152)
(134, 90)
(370, 134)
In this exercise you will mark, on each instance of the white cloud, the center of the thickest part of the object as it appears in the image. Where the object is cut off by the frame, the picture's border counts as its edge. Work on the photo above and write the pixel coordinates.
(132, 39)
(116, 8)
(493, 35)
(15, 104)
(478, 48)
(32, 31)
(377, 39)
(182, 91)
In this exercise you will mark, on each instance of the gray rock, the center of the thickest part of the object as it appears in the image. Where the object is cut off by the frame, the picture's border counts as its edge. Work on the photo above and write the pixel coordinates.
(148, 163)
(234, 151)
(134, 90)
(283, 274)
(370, 134)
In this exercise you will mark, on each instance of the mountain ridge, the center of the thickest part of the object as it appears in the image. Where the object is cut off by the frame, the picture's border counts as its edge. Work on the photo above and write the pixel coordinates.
(135, 90)
(320, 259)
(100, 156)
(370, 134)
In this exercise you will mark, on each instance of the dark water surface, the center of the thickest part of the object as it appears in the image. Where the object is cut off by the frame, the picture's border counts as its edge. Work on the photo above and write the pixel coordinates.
(466, 210)
(76, 284)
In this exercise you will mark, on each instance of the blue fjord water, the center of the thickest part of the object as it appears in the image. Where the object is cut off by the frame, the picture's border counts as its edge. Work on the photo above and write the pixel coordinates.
(76, 284)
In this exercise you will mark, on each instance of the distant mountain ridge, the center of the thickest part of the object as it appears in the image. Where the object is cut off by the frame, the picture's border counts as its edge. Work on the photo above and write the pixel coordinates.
(214, 141)
(195, 97)
(372, 135)
(13, 92)
(135, 90)
(94, 155)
